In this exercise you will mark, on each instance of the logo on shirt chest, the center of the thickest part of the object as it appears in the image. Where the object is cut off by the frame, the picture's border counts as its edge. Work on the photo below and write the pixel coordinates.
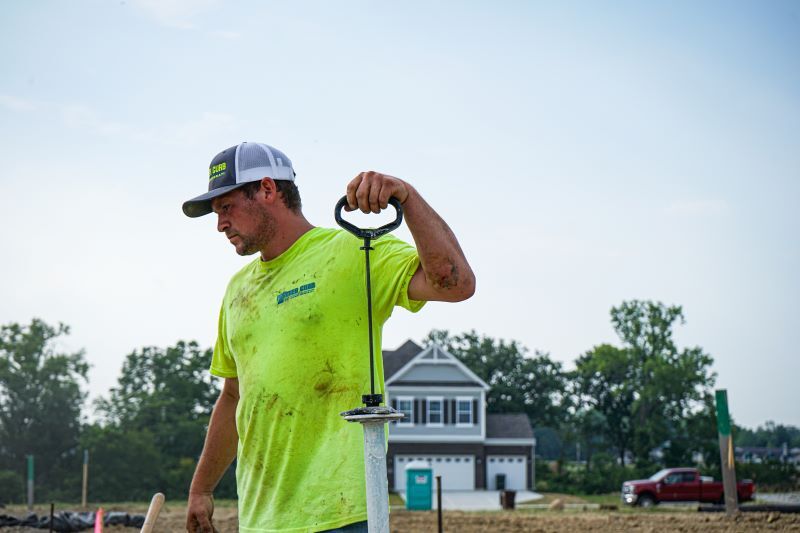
(296, 291)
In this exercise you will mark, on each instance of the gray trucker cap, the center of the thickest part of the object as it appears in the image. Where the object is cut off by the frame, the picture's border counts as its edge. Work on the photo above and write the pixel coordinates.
(235, 166)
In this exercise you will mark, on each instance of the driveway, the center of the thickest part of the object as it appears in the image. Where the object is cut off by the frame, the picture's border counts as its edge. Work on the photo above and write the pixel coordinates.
(477, 500)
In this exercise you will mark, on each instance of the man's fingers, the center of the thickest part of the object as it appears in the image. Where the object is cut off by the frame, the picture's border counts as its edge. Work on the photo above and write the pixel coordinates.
(374, 198)
(362, 194)
(383, 197)
(205, 524)
(200, 523)
(352, 187)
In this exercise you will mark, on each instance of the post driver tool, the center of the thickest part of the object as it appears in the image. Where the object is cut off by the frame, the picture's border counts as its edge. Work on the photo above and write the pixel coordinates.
(373, 417)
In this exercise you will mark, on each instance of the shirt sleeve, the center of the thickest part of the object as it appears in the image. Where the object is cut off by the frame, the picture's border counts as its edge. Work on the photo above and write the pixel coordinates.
(393, 264)
(222, 362)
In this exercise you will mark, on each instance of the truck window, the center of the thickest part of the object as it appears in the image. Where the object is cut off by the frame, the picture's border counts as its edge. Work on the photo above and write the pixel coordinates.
(658, 475)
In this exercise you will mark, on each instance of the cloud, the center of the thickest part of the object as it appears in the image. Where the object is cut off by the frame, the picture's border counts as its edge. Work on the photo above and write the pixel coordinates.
(174, 13)
(17, 104)
(697, 208)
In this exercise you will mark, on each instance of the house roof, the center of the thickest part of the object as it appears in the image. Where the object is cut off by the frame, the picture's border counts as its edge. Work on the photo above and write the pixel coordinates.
(513, 426)
(394, 360)
(432, 355)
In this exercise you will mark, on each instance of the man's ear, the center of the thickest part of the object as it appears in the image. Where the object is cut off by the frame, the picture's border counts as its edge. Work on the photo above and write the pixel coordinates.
(268, 191)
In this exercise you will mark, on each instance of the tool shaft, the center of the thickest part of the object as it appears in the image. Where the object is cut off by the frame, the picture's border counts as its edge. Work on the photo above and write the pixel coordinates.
(367, 248)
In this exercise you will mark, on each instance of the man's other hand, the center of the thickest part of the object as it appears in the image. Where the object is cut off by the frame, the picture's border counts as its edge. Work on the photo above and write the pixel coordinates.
(370, 191)
(198, 516)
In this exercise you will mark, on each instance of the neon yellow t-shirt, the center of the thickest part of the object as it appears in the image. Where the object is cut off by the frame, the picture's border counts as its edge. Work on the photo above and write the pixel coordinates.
(294, 331)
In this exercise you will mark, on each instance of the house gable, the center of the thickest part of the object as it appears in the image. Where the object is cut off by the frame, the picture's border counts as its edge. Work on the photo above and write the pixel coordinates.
(434, 366)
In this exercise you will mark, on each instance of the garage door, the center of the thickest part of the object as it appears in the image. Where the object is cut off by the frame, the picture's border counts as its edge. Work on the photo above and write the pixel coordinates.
(457, 471)
(513, 466)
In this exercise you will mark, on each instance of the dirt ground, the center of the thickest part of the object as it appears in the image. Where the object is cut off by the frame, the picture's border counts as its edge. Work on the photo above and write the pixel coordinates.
(172, 519)
(574, 522)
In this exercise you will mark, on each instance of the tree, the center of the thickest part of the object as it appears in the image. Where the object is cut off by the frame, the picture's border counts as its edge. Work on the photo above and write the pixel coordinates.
(519, 384)
(603, 382)
(668, 384)
(124, 464)
(40, 401)
(770, 435)
(164, 396)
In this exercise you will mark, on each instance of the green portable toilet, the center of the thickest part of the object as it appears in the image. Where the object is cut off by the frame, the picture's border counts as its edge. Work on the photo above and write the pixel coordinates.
(419, 486)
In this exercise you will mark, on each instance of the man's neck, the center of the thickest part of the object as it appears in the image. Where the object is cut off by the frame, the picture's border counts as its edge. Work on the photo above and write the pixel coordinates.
(287, 233)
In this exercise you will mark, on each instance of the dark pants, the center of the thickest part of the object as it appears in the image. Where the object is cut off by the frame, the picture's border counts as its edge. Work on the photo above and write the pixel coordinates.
(358, 527)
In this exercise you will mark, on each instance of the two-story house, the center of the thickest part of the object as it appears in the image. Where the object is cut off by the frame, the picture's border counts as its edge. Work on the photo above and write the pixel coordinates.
(446, 424)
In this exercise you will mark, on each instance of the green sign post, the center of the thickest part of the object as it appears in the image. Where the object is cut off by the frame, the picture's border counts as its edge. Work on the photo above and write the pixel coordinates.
(726, 453)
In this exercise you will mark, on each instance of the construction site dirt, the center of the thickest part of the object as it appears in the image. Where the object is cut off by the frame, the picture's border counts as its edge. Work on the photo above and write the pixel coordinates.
(172, 520)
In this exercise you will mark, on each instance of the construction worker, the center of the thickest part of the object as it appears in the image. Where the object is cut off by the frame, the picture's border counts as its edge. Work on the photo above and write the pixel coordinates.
(291, 339)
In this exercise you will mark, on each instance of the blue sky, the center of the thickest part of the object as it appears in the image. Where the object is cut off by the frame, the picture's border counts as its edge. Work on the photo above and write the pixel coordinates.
(584, 153)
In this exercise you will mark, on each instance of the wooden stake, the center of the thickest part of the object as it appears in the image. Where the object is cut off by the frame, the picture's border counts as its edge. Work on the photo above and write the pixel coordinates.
(152, 512)
(726, 453)
(85, 486)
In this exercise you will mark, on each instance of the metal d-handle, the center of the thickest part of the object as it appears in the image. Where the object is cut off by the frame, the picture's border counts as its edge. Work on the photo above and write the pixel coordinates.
(372, 399)
(369, 233)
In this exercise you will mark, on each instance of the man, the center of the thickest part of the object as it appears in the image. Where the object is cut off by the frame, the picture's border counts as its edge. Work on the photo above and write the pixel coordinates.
(291, 339)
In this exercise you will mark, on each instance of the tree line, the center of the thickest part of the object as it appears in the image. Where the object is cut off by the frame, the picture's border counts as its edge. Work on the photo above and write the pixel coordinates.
(623, 410)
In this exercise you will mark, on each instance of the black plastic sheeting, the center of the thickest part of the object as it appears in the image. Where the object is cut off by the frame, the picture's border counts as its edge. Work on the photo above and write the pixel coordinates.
(66, 521)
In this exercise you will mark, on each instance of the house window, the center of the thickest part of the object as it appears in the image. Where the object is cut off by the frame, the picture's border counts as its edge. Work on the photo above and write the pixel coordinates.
(435, 413)
(464, 411)
(405, 405)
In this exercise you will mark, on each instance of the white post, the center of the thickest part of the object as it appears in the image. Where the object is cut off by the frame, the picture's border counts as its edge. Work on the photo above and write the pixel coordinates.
(373, 420)
(377, 484)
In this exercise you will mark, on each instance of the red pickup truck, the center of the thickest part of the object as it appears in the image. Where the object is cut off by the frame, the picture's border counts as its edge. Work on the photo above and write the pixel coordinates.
(680, 485)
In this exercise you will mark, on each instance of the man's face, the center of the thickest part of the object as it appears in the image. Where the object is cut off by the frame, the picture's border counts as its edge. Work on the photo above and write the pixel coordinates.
(245, 221)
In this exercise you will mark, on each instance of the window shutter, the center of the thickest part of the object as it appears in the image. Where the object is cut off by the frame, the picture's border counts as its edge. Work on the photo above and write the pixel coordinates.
(453, 411)
(416, 411)
(445, 411)
(394, 404)
(475, 411)
(424, 404)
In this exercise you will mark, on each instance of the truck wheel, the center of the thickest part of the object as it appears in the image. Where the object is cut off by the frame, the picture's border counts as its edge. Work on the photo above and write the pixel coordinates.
(646, 501)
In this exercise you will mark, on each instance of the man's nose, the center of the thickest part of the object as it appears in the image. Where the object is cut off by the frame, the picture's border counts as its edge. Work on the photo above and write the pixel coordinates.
(222, 223)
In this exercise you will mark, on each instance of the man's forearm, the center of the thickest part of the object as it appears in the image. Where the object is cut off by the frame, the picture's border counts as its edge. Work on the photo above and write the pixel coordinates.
(443, 262)
(220, 446)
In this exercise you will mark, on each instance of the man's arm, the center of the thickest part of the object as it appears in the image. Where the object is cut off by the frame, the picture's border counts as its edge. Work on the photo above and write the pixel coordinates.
(219, 451)
(444, 273)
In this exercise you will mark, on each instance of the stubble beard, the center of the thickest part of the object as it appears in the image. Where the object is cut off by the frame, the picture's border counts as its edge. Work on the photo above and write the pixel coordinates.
(251, 244)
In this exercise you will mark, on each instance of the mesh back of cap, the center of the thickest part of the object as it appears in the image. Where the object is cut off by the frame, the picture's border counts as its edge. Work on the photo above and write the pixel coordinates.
(253, 162)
